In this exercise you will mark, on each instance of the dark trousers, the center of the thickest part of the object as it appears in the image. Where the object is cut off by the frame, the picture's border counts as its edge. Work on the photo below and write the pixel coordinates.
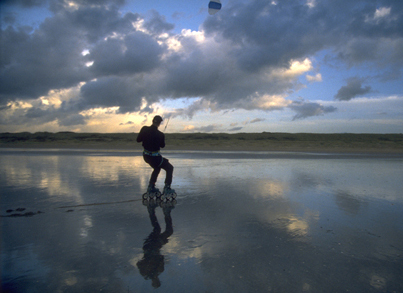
(158, 163)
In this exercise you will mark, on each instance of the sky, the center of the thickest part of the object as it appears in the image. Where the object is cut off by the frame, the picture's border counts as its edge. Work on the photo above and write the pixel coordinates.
(314, 66)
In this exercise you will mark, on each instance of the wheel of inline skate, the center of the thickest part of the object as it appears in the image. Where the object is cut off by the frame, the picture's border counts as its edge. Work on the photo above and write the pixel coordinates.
(173, 195)
(145, 196)
(158, 194)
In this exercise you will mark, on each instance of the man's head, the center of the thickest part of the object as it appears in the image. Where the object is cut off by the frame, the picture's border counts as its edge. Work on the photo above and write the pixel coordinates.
(157, 120)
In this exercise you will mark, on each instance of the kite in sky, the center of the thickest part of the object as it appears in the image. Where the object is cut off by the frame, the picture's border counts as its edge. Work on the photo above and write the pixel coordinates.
(214, 6)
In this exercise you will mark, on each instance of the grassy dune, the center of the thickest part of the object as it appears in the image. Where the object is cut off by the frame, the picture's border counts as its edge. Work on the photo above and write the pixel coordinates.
(266, 141)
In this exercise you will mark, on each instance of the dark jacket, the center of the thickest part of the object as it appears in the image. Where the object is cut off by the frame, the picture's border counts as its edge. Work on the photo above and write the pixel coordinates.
(152, 138)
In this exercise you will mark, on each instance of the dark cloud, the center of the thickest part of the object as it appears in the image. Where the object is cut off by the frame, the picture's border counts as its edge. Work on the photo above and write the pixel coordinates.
(157, 24)
(208, 128)
(72, 120)
(96, 23)
(257, 120)
(97, 2)
(36, 112)
(48, 58)
(250, 45)
(4, 108)
(7, 19)
(137, 52)
(32, 3)
(235, 129)
(25, 3)
(112, 91)
(51, 56)
(267, 35)
(308, 109)
(351, 90)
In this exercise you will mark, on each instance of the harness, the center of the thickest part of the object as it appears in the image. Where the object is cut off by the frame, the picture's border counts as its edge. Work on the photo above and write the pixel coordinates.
(152, 154)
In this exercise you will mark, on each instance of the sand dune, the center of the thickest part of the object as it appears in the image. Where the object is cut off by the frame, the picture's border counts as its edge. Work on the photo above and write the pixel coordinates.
(266, 141)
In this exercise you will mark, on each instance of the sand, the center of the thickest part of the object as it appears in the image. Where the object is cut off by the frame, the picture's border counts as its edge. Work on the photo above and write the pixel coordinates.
(72, 220)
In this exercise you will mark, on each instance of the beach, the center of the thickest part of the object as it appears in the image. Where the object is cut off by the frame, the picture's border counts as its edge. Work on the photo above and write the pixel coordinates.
(73, 220)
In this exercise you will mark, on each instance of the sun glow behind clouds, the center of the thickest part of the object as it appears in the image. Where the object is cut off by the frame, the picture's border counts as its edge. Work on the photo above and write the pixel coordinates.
(311, 3)
(298, 68)
(295, 69)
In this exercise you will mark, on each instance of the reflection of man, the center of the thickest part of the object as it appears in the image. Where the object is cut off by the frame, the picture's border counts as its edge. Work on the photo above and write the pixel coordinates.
(153, 140)
(152, 263)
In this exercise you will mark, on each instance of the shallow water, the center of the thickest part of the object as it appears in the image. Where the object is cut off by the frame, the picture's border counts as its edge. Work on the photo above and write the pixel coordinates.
(74, 221)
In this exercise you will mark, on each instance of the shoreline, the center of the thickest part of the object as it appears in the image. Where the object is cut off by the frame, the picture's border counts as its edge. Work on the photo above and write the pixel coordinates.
(199, 149)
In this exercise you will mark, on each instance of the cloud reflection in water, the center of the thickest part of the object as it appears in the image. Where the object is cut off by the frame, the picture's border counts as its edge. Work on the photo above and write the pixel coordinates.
(240, 224)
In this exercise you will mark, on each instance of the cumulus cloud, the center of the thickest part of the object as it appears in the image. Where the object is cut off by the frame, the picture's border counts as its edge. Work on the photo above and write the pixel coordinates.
(314, 78)
(249, 56)
(351, 90)
(207, 128)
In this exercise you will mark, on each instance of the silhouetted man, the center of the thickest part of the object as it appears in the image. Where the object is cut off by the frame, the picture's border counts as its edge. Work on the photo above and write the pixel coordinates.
(153, 140)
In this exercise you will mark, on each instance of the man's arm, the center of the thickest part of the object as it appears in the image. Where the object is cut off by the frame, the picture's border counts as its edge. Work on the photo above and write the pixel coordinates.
(162, 145)
(140, 135)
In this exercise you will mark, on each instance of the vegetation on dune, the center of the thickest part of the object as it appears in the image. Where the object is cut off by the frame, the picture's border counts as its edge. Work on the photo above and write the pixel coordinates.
(44, 137)
(213, 141)
(290, 141)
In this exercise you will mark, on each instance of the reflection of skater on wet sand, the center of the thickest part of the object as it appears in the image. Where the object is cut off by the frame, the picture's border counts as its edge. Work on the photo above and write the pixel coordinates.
(152, 263)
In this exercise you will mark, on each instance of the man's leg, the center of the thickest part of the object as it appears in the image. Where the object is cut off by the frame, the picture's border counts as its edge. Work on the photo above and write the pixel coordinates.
(169, 169)
(154, 162)
(154, 175)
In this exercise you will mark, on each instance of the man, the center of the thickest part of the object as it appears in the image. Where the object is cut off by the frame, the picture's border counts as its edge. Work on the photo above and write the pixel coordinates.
(153, 140)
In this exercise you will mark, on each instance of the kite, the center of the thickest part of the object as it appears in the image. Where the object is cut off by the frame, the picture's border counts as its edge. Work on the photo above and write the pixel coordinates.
(214, 6)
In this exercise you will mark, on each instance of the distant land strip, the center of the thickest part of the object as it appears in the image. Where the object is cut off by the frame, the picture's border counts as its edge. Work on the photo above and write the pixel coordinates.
(266, 141)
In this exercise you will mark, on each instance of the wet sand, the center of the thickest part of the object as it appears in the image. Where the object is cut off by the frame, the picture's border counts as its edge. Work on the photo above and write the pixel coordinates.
(73, 221)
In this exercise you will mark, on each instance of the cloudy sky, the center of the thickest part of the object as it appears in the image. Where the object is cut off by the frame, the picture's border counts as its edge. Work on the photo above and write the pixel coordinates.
(256, 65)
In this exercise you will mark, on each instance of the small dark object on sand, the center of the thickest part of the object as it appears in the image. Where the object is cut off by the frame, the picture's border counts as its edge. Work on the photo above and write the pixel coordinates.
(27, 214)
